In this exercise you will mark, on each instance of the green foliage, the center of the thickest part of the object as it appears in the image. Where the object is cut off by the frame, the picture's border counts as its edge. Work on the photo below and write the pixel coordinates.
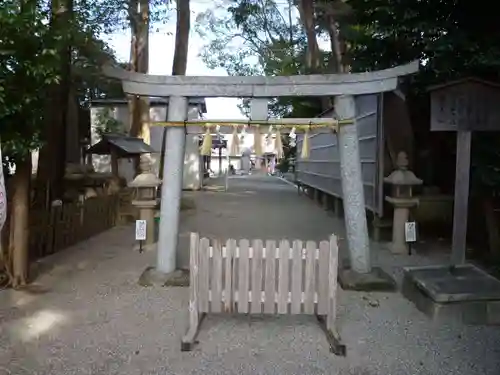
(27, 66)
(116, 15)
(248, 38)
(258, 37)
(106, 123)
(30, 62)
(453, 39)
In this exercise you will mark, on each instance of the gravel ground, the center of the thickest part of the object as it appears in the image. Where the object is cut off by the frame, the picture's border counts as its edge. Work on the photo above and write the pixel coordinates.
(89, 316)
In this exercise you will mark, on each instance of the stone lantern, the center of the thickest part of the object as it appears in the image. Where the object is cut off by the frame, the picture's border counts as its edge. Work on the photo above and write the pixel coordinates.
(145, 185)
(402, 181)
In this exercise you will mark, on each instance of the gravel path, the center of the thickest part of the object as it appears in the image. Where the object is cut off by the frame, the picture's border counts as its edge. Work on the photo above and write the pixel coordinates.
(89, 316)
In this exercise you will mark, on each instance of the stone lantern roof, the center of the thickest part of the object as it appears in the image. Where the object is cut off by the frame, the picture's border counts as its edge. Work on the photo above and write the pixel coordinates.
(146, 179)
(402, 176)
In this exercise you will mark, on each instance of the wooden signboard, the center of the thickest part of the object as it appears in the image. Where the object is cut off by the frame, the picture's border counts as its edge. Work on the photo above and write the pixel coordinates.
(468, 104)
(464, 106)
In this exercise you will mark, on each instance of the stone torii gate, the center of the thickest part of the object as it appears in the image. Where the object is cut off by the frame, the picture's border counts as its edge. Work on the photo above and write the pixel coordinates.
(342, 86)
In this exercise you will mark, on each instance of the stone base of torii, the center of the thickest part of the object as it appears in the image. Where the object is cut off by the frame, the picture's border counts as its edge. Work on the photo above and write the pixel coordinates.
(360, 275)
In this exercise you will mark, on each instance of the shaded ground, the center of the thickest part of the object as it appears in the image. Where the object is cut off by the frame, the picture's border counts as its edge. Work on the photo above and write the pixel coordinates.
(95, 319)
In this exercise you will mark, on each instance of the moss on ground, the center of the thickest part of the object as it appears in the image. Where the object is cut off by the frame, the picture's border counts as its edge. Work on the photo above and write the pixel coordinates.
(187, 204)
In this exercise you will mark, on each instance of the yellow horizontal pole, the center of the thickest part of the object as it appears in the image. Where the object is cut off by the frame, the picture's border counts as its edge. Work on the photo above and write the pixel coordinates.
(234, 123)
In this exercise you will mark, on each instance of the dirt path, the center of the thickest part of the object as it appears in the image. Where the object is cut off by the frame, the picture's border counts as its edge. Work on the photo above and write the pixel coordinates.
(95, 318)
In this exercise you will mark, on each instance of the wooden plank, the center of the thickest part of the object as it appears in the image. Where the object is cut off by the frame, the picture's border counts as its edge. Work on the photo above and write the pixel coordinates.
(333, 338)
(243, 276)
(332, 283)
(204, 274)
(284, 257)
(264, 253)
(288, 297)
(323, 268)
(216, 278)
(188, 339)
(230, 250)
(460, 208)
(310, 275)
(256, 305)
(296, 277)
(270, 278)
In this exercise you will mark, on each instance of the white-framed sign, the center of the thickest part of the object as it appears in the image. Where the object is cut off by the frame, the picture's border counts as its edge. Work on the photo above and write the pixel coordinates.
(410, 231)
(140, 230)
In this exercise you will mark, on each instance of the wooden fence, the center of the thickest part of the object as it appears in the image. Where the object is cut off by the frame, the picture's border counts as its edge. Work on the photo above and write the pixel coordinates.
(271, 280)
(65, 225)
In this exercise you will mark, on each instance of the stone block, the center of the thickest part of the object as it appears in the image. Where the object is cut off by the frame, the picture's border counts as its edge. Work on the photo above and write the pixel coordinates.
(151, 277)
(463, 293)
(376, 280)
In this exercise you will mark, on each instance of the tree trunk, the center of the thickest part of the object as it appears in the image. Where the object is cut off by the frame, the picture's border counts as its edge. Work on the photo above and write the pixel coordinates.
(336, 14)
(133, 63)
(52, 157)
(19, 225)
(73, 146)
(313, 53)
(139, 62)
(183, 26)
(5, 262)
(306, 12)
(335, 44)
(179, 65)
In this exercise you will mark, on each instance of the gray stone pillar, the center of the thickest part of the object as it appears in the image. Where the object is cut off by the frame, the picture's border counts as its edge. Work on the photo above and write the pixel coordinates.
(171, 186)
(352, 187)
(258, 111)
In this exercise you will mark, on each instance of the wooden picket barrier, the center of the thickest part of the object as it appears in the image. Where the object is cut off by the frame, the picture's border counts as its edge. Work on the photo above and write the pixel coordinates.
(266, 279)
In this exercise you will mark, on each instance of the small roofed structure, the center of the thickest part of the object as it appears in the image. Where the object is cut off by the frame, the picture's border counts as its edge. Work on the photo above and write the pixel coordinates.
(119, 146)
(124, 146)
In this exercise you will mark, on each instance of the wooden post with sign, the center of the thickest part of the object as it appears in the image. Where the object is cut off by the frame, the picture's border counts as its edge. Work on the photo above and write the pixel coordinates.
(410, 233)
(140, 232)
(464, 106)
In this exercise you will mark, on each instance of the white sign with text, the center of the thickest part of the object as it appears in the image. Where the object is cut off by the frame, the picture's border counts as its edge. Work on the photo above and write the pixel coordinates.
(140, 230)
(410, 231)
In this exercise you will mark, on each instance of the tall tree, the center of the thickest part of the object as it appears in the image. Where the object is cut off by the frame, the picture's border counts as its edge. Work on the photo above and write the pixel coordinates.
(179, 65)
(308, 19)
(52, 160)
(34, 55)
(26, 66)
(138, 11)
(183, 27)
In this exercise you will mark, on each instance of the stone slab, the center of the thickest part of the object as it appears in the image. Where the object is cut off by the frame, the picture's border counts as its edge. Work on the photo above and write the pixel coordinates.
(468, 301)
(443, 283)
(151, 277)
(376, 280)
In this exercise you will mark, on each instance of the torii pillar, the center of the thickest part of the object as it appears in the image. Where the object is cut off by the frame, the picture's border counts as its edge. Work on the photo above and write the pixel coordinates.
(344, 87)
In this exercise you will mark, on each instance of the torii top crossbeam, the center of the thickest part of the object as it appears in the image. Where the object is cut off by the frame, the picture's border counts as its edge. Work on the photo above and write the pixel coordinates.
(261, 87)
